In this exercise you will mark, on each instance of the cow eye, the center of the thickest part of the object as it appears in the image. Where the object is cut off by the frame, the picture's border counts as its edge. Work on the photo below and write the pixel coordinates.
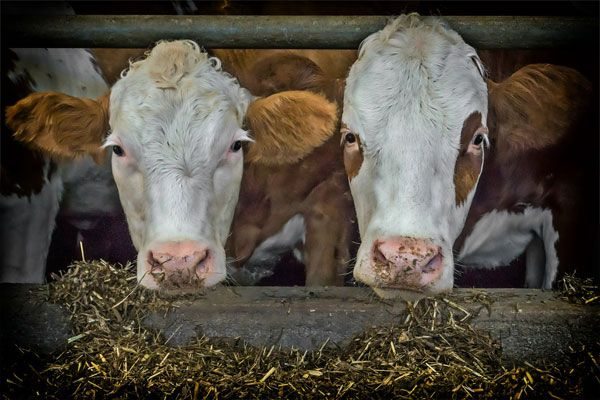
(350, 138)
(478, 139)
(236, 146)
(118, 150)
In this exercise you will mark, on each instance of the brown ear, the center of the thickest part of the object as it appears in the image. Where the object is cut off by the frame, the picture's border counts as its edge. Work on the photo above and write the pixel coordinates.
(287, 126)
(536, 106)
(60, 125)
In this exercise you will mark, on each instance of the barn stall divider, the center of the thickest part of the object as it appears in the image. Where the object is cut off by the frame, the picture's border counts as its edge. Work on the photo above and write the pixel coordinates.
(530, 325)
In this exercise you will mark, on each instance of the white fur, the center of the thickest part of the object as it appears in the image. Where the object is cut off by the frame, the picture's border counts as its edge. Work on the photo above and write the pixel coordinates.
(500, 236)
(178, 180)
(89, 190)
(407, 97)
(26, 232)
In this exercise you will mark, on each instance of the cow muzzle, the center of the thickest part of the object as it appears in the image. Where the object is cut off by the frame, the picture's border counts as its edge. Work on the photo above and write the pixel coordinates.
(405, 263)
(179, 265)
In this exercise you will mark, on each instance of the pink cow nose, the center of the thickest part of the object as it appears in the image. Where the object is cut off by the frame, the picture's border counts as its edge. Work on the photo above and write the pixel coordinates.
(179, 264)
(406, 262)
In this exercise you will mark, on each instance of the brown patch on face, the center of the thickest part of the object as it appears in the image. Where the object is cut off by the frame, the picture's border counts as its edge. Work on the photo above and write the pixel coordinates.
(60, 125)
(288, 126)
(353, 155)
(468, 166)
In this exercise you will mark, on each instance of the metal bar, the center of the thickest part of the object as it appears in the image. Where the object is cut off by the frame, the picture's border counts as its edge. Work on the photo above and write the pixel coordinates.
(334, 32)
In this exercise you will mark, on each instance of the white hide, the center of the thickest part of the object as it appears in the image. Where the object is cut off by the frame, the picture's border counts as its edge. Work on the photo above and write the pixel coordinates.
(89, 190)
(26, 232)
(407, 97)
(178, 179)
(500, 236)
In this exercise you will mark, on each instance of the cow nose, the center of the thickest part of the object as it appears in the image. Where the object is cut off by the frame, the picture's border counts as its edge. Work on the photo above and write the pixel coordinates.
(179, 264)
(406, 262)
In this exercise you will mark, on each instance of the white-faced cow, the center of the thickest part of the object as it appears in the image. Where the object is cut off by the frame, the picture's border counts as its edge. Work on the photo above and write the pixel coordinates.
(34, 187)
(422, 127)
(177, 125)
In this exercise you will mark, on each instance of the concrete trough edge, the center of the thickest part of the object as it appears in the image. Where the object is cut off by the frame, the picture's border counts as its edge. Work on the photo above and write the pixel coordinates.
(530, 324)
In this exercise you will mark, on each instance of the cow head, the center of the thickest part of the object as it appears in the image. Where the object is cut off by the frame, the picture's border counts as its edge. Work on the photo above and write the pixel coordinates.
(177, 125)
(414, 138)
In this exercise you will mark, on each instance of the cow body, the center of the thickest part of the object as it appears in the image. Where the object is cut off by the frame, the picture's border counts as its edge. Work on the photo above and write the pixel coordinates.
(313, 214)
(34, 187)
(423, 128)
(183, 131)
(534, 194)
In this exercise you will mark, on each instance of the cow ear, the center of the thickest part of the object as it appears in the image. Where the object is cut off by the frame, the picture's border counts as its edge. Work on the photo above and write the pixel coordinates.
(536, 107)
(59, 125)
(287, 126)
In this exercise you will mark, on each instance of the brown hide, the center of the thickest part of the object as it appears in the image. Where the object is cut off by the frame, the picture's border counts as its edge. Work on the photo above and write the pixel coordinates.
(112, 62)
(544, 141)
(315, 186)
(320, 71)
(502, 63)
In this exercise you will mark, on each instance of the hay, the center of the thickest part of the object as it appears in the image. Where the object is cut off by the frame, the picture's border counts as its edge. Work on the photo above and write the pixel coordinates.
(431, 352)
(579, 291)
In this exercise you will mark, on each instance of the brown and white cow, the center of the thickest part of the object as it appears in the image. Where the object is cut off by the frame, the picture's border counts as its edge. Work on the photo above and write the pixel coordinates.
(178, 124)
(289, 198)
(422, 128)
(43, 198)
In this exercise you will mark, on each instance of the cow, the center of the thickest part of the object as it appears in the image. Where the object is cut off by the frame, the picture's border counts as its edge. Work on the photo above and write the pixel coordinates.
(182, 132)
(278, 209)
(43, 198)
(445, 167)
(269, 224)
(36, 187)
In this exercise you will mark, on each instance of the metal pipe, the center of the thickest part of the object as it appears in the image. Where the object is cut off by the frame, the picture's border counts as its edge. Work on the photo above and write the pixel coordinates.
(339, 32)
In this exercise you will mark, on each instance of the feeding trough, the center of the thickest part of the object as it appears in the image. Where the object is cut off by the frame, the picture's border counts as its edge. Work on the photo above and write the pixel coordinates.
(95, 332)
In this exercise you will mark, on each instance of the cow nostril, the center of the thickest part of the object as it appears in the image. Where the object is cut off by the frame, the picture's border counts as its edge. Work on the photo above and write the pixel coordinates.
(201, 265)
(378, 256)
(432, 264)
(158, 259)
(154, 263)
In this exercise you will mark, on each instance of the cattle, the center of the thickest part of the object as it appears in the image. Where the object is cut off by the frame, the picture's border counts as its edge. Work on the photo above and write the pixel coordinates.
(305, 203)
(445, 167)
(36, 187)
(182, 132)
